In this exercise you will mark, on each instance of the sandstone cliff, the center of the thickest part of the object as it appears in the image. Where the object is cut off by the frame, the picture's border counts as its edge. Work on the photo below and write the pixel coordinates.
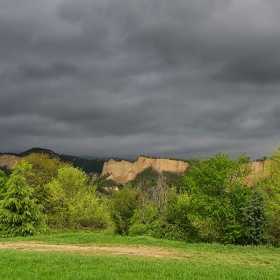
(125, 171)
(257, 168)
(7, 161)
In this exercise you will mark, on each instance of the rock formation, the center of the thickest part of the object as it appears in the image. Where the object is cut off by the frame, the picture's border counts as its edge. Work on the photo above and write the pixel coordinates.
(7, 161)
(125, 171)
(257, 166)
(257, 169)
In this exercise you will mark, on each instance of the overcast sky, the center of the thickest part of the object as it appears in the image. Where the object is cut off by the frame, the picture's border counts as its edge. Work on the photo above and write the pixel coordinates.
(123, 78)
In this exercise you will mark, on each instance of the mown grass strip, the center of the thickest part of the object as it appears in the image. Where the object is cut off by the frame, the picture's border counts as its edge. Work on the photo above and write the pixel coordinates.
(194, 261)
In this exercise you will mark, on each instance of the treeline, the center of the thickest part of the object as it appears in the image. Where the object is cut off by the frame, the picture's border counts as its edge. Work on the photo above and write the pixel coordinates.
(210, 202)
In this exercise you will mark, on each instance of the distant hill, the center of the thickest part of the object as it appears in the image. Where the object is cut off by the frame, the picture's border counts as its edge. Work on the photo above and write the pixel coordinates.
(88, 165)
(38, 151)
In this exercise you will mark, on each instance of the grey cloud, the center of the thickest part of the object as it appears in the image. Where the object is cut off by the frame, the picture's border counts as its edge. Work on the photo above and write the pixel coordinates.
(253, 70)
(124, 78)
(38, 72)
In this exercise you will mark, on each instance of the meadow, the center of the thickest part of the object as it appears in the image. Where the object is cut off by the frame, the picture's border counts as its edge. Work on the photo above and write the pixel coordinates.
(89, 255)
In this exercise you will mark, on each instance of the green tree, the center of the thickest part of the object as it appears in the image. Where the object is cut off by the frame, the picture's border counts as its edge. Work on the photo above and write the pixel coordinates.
(19, 212)
(255, 221)
(45, 169)
(147, 210)
(87, 211)
(160, 193)
(218, 192)
(145, 179)
(153, 194)
(73, 181)
(269, 186)
(44, 166)
(62, 192)
(74, 203)
(122, 206)
(3, 180)
(178, 224)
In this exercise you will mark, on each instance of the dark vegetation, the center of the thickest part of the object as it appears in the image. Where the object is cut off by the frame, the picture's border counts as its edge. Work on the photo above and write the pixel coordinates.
(178, 159)
(210, 202)
(134, 160)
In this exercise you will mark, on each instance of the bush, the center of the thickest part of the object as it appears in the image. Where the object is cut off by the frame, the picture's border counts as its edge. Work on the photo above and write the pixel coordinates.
(122, 206)
(138, 229)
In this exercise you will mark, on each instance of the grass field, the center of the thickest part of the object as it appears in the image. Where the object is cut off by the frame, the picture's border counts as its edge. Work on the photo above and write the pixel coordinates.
(94, 256)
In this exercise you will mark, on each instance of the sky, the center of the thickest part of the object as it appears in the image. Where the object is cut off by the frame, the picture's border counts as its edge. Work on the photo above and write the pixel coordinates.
(123, 78)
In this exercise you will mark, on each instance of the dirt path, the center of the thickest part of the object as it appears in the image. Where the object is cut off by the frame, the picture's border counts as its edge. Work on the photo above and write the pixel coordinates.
(144, 251)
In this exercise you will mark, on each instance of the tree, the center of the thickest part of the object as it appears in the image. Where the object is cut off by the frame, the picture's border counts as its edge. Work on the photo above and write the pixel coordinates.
(87, 211)
(255, 221)
(177, 225)
(122, 207)
(3, 180)
(144, 184)
(45, 168)
(73, 202)
(161, 192)
(145, 179)
(62, 191)
(19, 213)
(73, 181)
(218, 192)
(269, 186)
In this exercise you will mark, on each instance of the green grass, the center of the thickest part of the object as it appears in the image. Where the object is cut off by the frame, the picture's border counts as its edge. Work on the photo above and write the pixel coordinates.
(195, 261)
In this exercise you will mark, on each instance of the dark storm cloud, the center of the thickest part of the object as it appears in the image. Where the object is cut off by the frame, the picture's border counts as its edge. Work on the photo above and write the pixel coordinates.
(124, 78)
(37, 72)
(252, 70)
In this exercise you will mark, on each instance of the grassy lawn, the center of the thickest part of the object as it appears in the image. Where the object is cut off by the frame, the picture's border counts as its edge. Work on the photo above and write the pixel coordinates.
(186, 261)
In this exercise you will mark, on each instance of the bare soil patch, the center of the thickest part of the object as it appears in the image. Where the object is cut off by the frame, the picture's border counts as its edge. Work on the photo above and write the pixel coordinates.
(144, 251)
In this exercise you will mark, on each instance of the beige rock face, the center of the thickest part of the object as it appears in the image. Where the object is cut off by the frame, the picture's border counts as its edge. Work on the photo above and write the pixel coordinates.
(7, 161)
(257, 170)
(257, 166)
(125, 171)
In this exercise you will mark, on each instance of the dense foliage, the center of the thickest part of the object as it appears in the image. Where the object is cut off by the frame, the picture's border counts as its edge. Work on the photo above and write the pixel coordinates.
(269, 186)
(217, 190)
(19, 212)
(210, 202)
(42, 193)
